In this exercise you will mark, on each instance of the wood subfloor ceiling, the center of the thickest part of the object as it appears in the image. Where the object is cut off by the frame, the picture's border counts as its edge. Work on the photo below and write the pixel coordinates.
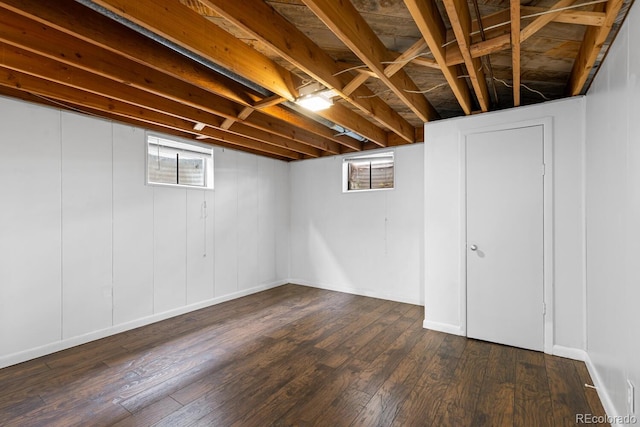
(295, 356)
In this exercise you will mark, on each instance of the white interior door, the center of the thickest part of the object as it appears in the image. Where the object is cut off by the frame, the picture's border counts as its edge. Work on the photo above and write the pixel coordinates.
(505, 236)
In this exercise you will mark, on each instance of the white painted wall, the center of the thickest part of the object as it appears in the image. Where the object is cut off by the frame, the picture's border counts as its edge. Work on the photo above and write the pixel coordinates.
(367, 243)
(30, 227)
(443, 210)
(86, 224)
(87, 249)
(613, 219)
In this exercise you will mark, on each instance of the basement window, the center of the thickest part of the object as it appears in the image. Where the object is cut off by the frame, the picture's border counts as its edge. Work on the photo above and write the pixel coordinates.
(174, 163)
(370, 172)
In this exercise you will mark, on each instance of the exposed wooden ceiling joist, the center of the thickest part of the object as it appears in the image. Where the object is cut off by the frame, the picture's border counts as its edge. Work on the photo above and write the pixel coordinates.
(227, 72)
(98, 31)
(542, 20)
(350, 27)
(515, 50)
(211, 42)
(405, 57)
(51, 43)
(591, 45)
(263, 22)
(104, 105)
(50, 70)
(577, 17)
(503, 41)
(206, 40)
(431, 26)
(460, 18)
(499, 22)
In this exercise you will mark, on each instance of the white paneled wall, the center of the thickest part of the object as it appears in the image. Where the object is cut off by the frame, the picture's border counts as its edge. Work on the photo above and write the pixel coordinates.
(367, 243)
(247, 217)
(282, 218)
(86, 225)
(132, 228)
(200, 245)
(87, 249)
(30, 227)
(613, 226)
(443, 215)
(169, 248)
(267, 220)
(226, 224)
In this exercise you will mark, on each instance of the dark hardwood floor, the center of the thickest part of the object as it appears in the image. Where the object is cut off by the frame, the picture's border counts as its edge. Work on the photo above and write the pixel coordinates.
(295, 356)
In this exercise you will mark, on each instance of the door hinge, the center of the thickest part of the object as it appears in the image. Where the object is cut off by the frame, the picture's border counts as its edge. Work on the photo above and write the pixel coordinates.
(543, 169)
(544, 308)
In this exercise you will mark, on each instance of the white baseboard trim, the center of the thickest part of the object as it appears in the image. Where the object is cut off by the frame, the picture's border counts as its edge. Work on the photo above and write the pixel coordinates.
(607, 403)
(444, 327)
(356, 291)
(583, 356)
(569, 352)
(23, 356)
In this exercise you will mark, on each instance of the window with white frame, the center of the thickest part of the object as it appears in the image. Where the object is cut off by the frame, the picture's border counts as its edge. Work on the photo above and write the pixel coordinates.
(176, 163)
(368, 172)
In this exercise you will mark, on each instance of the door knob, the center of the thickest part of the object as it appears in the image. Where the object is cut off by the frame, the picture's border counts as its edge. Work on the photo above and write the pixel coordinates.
(473, 247)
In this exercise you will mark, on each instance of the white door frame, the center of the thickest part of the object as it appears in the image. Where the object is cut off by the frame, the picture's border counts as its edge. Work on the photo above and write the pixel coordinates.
(547, 125)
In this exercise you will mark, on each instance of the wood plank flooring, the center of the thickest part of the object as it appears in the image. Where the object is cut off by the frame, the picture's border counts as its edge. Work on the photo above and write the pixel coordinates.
(295, 356)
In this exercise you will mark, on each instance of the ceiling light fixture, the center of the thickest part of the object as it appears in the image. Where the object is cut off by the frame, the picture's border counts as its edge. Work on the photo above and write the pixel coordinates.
(315, 97)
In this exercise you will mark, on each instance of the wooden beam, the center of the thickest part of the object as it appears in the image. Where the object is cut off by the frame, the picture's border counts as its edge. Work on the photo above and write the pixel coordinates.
(263, 22)
(72, 18)
(246, 112)
(490, 46)
(593, 40)
(241, 129)
(543, 20)
(239, 140)
(168, 19)
(103, 105)
(419, 133)
(577, 17)
(53, 44)
(427, 17)
(337, 110)
(284, 114)
(280, 127)
(460, 18)
(170, 130)
(515, 50)
(367, 72)
(75, 20)
(503, 41)
(491, 20)
(355, 83)
(268, 102)
(350, 27)
(226, 124)
(44, 68)
(56, 45)
(426, 62)
(498, 23)
(172, 127)
(405, 57)
(390, 69)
